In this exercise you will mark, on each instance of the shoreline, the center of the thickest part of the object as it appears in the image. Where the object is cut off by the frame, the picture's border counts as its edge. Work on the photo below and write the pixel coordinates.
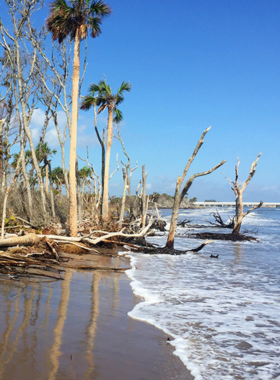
(79, 328)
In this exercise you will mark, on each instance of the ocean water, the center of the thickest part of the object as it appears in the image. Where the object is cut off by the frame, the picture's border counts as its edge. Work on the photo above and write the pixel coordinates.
(224, 314)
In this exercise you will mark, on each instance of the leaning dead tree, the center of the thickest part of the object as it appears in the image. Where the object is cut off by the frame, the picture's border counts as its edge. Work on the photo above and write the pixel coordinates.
(238, 191)
(180, 194)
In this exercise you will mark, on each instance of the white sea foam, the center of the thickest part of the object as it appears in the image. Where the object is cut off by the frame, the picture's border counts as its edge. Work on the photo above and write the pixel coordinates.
(223, 314)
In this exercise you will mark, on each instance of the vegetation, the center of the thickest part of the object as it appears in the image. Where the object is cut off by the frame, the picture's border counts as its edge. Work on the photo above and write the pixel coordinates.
(34, 76)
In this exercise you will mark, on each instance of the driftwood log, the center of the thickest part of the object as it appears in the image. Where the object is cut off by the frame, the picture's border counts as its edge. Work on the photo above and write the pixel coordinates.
(220, 236)
(168, 251)
(29, 239)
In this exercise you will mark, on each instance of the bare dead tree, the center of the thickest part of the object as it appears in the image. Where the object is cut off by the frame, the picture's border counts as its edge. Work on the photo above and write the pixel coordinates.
(238, 190)
(127, 173)
(134, 205)
(21, 63)
(55, 86)
(179, 194)
(7, 190)
(145, 200)
(9, 135)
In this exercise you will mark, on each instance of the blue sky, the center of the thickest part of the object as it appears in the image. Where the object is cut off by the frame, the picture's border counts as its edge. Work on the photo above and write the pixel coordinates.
(191, 64)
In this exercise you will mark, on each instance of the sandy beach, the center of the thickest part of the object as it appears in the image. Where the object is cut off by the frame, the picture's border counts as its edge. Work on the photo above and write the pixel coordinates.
(79, 329)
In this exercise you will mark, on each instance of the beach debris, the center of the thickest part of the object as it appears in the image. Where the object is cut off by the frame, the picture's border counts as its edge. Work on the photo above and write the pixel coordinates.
(220, 236)
(155, 250)
(238, 189)
(219, 221)
(214, 256)
(182, 189)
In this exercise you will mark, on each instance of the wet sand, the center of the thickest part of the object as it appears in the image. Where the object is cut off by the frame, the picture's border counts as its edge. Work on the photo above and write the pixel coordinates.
(79, 329)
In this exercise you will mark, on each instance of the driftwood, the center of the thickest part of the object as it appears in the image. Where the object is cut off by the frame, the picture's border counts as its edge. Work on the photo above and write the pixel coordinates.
(220, 236)
(29, 239)
(106, 236)
(18, 264)
(220, 222)
(184, 222)
(238, 191)
(169, 251)
(17, 260)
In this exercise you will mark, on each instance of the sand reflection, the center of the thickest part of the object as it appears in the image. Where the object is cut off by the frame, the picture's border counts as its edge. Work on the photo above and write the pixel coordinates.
(11, 350)
(58, 330)
(91, 329)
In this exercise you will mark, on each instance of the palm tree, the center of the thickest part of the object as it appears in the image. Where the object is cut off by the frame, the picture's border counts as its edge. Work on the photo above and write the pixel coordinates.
(75, 20)
(84, 173)
(101, 94)
(58, 178)
(43, 152)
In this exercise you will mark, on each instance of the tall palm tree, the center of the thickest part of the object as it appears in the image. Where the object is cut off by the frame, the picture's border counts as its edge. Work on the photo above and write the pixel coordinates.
(75, 20)
(101, 94)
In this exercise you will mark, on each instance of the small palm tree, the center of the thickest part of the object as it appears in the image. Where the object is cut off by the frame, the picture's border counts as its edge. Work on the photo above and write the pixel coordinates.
(75, 20)
(101, 94)
(43, 153)
(84, 173)
(58, 178)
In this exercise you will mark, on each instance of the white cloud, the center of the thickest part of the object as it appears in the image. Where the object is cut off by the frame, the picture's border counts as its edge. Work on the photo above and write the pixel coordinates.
(85, 135)
(37, 124)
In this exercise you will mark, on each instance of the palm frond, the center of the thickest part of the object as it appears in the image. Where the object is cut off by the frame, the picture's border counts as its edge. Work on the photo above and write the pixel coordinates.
(93, 88)
(99, 8)
(125, 86)
(118, 115)
(104, 87)
(88, 102)
(94, 23)
(60, 6)
(60, 21)
(119, 99)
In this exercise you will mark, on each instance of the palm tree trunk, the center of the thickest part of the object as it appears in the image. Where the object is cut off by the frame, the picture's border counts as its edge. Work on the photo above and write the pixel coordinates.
(102, 143)
(73, 223)
(105, 200)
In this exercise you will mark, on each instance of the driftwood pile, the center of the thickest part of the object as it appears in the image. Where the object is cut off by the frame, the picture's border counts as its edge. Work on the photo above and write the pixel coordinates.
(44, 254)
(34, 257)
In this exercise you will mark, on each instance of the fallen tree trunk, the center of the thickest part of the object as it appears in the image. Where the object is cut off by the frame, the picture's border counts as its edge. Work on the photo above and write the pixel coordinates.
(169, 251)
(220, 236)
(29, 239)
